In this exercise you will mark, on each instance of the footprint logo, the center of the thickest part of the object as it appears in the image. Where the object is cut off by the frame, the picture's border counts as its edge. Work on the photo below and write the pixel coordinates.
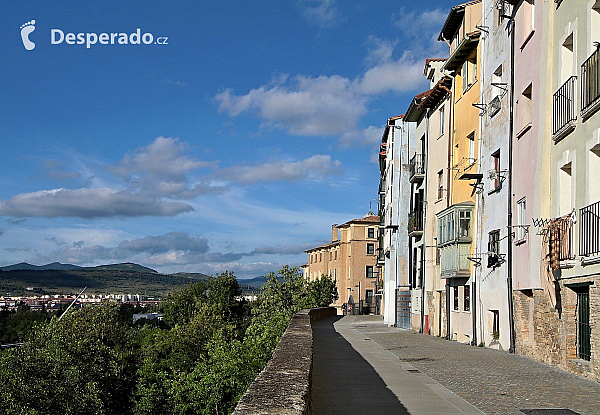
(26, 29)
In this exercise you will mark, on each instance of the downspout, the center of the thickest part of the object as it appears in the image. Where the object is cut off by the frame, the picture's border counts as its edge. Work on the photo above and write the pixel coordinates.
(425, 186)
(511, 318)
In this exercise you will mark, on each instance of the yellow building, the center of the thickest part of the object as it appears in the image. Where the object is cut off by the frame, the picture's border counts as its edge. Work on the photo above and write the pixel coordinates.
(350, 259)
(455, 223)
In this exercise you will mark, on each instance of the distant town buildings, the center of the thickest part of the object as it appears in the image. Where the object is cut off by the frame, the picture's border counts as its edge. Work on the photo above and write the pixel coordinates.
(55, 302)
(350, 259)
(490, 186)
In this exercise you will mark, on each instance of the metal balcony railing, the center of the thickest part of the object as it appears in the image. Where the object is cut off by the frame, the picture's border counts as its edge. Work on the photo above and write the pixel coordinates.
(415, 221)
(417, 166)
(589, 234)
(563, 235)
(590, 81)
(563, 109)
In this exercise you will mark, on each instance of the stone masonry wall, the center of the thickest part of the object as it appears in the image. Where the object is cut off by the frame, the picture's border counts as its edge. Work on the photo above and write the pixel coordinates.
(549, 334)
(284, 385)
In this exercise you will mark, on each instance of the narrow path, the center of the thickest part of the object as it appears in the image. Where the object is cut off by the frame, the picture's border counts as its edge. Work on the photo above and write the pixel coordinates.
(354, 375)
(495, 382)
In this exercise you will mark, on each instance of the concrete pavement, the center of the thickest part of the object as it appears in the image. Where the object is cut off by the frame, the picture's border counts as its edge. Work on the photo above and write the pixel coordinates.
(363, 366)
(354, 375)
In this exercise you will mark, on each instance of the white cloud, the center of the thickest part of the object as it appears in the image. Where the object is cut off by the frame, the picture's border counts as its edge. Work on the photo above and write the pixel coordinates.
(151, 180)
(416, 22)
(370, 136)
(326, 105)
(402, 75)
(89, 204)
(316, 167)
(55, 170)
(380, 50)
(324, 13)
(329, 105)
(164, 158)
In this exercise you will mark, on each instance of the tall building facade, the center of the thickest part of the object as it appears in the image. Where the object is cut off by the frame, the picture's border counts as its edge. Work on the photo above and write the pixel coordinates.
(501, 191)
(350, 259)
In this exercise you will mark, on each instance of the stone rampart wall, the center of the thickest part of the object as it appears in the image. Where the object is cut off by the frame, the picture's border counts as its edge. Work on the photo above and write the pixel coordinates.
(284, 385)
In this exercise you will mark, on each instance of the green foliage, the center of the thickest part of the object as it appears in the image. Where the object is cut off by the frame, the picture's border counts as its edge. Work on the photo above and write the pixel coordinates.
(16, 326)
(82, 364)
(201, 362)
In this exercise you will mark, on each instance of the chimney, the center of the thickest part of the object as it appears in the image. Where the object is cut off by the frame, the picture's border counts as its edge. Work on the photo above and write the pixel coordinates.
(334, 232)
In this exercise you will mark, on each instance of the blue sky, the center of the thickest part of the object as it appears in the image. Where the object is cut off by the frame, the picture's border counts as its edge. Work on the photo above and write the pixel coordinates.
(234, 146)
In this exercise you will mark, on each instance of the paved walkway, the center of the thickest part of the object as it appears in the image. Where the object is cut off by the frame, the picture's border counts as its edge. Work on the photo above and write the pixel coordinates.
(361, 366)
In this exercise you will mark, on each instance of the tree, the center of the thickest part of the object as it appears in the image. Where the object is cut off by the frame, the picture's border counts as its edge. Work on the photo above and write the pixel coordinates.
(83, 364)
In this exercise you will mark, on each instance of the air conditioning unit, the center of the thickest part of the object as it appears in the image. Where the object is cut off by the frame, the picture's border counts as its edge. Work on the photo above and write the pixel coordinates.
(495, 106)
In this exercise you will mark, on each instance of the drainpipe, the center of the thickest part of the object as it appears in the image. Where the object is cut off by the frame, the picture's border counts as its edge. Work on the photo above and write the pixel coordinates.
(425, 205)
(511, 318)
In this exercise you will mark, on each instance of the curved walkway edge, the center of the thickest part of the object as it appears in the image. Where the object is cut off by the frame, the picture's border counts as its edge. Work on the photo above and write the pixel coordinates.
(354, 375)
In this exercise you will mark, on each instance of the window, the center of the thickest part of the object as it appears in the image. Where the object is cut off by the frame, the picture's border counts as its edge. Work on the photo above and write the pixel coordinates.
(527, 25)
(469, 73)
(496, 172)
(369, 271)
(441, 112)
(521, 219)
(464, 74)
(525, 107)
(494, 242)
(565, 189)
(371, 233)
(370, 249)
(471, 138)
(499, 11)
(369, 296)
(464, 224)
(593, 174)
(440, 184)
(495, 324)
(330, 253)
(320, 256)
(493, 249)
(583, 323)
(594, 25)
(567, 65)
(467, 298)
(455, 303)
(450, 227)
(335, 254)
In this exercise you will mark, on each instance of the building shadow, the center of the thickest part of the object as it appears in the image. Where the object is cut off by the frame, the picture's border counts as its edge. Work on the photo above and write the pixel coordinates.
(343, 381)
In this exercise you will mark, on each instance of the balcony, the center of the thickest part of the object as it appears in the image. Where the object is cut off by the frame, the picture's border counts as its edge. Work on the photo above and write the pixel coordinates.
(563, 110)
(454, 260)
(561, 239)
(417, 168)
(589, 225)
(590, 85)
(415, 223)
(382, 187)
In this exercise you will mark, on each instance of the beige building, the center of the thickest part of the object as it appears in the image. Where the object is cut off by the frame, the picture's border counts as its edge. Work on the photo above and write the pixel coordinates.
(350, 259)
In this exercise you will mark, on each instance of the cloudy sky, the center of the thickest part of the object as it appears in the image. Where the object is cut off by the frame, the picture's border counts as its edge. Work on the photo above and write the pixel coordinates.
(234, 146)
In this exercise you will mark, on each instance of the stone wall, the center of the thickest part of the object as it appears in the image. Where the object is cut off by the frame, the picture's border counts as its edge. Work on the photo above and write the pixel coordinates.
(284, 385)
(549, 334)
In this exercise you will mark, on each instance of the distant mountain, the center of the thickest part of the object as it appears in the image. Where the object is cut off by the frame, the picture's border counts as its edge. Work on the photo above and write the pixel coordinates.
(191, 275)
(57, 266)
(53, 266)
(127, 266)
(256, 282)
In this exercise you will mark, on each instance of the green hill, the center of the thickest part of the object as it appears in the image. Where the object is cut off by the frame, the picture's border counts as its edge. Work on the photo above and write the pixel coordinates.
(99, 281)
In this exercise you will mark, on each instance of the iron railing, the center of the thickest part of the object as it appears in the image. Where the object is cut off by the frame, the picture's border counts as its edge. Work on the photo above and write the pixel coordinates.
(564, 105)
(589, 235)
(563, 231)
(590, 81)
(417, 165)
(415, 221)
